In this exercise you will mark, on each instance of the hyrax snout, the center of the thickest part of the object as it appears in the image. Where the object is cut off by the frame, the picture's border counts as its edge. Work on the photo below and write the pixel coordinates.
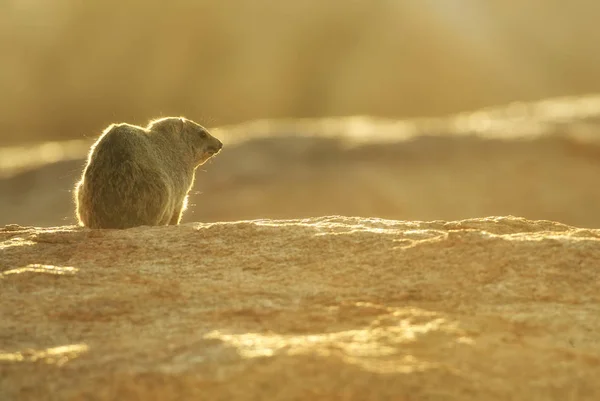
(141, 176)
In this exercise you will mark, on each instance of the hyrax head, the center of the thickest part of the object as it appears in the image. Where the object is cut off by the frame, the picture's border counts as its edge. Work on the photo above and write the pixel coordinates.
(202, 144)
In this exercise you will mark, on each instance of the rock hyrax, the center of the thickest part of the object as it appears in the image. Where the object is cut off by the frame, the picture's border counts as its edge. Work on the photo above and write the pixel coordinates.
(138, 176)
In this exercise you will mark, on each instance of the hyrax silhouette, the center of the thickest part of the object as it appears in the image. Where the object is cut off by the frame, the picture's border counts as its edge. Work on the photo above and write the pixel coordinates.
(138, 176)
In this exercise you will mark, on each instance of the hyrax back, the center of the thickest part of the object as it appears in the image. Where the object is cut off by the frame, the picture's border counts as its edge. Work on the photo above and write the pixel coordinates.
(141, 176)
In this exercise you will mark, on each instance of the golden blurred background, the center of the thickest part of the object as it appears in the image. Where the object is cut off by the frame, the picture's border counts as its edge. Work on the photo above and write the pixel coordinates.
(254, 70)
(69, 68)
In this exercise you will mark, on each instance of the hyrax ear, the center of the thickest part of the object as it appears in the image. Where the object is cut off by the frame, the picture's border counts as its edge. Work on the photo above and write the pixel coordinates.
(173, 125)
(176, 125)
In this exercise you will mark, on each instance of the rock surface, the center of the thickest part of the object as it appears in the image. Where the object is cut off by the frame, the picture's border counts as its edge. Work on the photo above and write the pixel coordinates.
(331, 308)
(538, 160)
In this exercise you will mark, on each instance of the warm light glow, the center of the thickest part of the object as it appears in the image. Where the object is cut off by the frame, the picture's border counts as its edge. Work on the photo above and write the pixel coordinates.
(15, 242)
(54, 356)
(37, 268)
(17, 158)
(381, 349)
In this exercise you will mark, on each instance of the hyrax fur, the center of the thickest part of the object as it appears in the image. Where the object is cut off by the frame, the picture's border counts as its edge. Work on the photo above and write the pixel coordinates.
(138, 176)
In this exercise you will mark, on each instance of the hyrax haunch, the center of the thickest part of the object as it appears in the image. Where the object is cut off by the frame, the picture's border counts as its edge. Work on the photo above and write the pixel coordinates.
(141, 176)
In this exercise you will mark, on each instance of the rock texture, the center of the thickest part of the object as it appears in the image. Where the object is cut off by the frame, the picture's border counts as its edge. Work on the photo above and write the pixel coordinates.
(538, 160)
(332, 308)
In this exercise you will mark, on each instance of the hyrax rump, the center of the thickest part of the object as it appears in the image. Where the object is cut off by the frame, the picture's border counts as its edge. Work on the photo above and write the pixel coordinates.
(138, 176)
